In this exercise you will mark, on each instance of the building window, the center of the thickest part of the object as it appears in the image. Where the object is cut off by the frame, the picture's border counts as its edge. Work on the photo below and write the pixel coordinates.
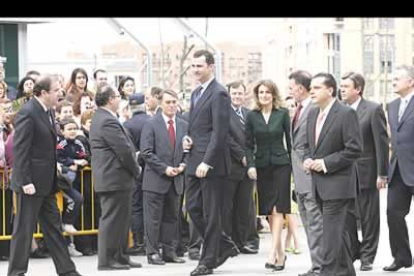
(368, 23)
(389, 66)
(368, 62)
(386, 23)
(368, 43)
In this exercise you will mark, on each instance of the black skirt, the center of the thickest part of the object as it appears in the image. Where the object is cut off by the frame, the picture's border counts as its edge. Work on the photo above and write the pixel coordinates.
(273, 188)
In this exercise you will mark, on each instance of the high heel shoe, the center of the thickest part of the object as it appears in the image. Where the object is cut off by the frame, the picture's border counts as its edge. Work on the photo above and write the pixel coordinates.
(280, 267)
(271, 266)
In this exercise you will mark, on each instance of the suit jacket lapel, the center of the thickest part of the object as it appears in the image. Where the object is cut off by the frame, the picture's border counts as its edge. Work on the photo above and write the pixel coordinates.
(196, 109)
(164, 131)
(44, 116)
(361, 109)
(312, 122)
(301, 120)
(409, 109)
(331, 117)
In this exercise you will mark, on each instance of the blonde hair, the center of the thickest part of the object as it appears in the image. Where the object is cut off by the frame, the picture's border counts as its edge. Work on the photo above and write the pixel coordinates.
(277, 102)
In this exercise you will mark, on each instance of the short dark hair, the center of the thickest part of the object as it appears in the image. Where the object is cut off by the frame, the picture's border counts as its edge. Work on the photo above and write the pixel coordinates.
(236, 84)
(328, 80)
(103, 95)
(302, 77)
(169, 92)
(357, 79)
(61, 104)
(44, 83)
(156, 92)
(97, 71)
(65, 122)
(209, 56)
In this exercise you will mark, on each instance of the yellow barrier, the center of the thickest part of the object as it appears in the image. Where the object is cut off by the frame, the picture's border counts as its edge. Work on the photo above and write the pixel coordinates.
(7, 196)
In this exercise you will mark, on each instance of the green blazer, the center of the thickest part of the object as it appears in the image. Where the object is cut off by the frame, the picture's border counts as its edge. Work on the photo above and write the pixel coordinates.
(265, 141)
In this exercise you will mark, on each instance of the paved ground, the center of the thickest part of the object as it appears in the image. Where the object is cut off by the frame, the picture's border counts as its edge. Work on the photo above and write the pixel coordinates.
(243, 265)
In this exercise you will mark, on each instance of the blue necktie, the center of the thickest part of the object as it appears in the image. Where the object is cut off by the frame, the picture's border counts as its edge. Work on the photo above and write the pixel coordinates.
(197, 94)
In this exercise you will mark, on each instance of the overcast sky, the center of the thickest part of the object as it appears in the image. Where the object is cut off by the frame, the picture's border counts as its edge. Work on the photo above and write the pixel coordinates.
(52, 41)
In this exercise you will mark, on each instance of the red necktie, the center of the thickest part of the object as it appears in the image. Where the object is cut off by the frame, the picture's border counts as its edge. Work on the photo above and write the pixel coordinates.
(171, 132)
(296, 117)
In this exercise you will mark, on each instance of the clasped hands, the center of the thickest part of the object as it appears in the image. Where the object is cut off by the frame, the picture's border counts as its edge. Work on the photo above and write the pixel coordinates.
(313, 165)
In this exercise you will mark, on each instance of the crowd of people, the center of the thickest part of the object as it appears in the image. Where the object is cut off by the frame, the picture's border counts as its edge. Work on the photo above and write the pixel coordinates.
(309, 154)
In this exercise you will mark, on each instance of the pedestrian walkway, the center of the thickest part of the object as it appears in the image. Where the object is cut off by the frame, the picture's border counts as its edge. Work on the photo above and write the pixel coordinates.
(243, 265)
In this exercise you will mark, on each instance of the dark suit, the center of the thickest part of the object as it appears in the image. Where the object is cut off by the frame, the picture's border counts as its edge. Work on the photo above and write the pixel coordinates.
(401, 180)
(115, 171)
(208, 127)
(134, 126)
(239, 220)
(267, 153)
(161, 192)
(339, 145)
(372, 163)
(34, 150)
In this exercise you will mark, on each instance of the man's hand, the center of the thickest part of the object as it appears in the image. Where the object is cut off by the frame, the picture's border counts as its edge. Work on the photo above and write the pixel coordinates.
(202, 170)
(59, 167)
(171, 172)
(307, 165)
(244, 161)
(187, 143)
(317, 165)
(181, 168)
(73, 167)
(252, 173)
(381, 183)
(29, 189)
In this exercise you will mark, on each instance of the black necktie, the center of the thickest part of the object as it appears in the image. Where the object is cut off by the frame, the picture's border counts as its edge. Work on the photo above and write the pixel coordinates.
(49, 115)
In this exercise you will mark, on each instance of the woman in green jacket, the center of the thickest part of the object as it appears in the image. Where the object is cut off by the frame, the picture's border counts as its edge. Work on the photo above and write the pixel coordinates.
(267, 128)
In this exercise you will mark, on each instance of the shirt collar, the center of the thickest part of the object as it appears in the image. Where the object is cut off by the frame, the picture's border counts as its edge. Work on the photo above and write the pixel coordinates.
(110, 111)
(328, 107)
(408, 97)
(305, 102)
(166, 118)
(42, 104)
(207, 83)
(354, 106)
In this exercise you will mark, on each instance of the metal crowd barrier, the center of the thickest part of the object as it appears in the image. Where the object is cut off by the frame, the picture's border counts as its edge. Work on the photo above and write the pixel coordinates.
(8, 199)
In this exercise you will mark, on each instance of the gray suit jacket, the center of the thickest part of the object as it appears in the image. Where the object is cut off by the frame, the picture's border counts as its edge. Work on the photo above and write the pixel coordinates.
(303, 181)
(208, 126)
(114, 166)
(374, 159)
(402, 138)
(339, 145)
(158, 153)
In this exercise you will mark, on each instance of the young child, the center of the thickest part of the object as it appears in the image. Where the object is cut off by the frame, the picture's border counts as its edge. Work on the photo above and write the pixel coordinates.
(72, 156)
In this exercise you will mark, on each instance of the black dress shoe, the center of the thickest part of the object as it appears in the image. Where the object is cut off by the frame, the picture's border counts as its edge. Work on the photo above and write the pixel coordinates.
(310, 273)
(132, 264)
(195, 256)
(70, 273)
(248, 250)
(136, 251)
(87, 252)
(227, 253)
(395, 267)
(155, 259)
(281, 267)
(114, 266)
(366, 267)
(201, 270)
(173, 259)
(38, 254)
